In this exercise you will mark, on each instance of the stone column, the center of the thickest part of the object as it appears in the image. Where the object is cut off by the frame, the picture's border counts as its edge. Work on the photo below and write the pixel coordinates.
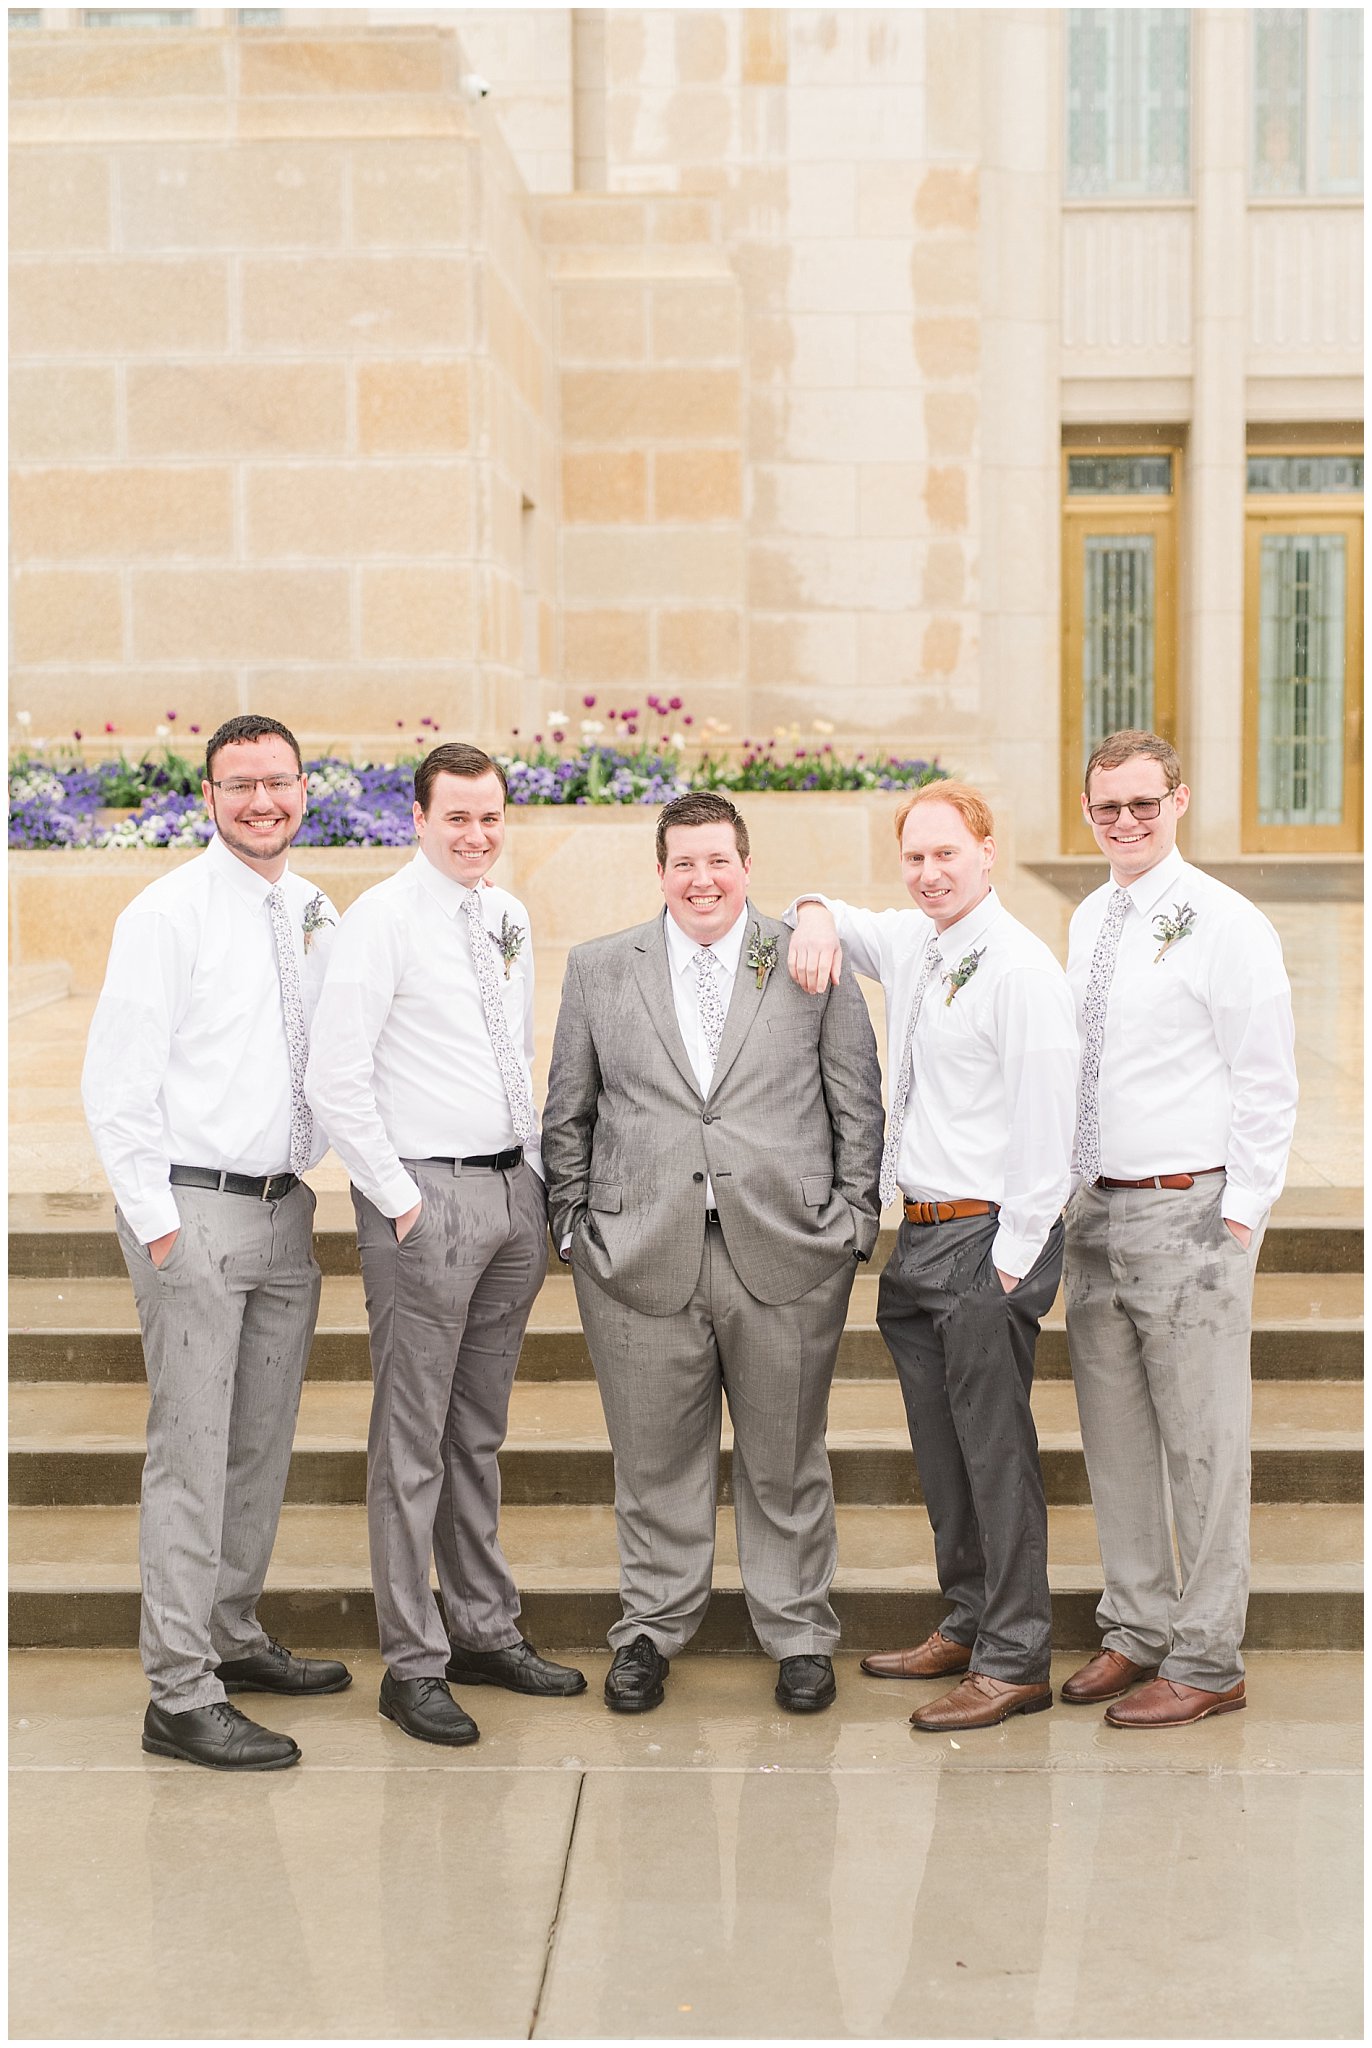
(1213, 482)
(1020, 417)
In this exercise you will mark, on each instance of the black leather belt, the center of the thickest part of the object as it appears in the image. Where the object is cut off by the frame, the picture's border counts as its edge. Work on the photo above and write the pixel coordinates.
(712, 1215)
(268, 1187)
(499, 1162)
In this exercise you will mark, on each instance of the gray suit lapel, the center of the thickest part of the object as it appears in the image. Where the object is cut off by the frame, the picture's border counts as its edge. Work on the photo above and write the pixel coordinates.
(654, 973)
(745, 1002)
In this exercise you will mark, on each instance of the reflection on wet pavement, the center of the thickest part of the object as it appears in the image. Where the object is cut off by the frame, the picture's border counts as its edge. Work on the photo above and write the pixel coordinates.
(713, 1869)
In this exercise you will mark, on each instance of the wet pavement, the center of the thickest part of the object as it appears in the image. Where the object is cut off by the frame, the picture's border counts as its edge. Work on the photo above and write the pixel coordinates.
(713, 1869)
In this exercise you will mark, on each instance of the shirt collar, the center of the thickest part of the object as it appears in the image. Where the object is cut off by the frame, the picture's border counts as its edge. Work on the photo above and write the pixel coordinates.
(253, 887)
(1147, 890)
(964, 934)
(448, 893)
(682, 948)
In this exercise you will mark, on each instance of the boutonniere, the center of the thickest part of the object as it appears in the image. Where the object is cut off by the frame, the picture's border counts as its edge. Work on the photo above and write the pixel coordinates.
(762, 954)
(1179, 925)
(315, 918)
(962, 973)
(510, 942)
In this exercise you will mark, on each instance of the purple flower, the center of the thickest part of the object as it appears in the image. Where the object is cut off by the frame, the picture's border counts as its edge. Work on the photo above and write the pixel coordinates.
(589, 702)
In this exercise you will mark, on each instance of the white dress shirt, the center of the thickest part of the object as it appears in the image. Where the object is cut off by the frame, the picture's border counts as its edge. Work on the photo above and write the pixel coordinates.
(401, 1060)
(1198, 1065)
(681, 952)
(992, 1104)
(187, 1062)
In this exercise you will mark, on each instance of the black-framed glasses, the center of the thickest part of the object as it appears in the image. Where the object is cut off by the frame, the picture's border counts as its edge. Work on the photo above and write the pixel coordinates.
(1142, 809)
(235, 787)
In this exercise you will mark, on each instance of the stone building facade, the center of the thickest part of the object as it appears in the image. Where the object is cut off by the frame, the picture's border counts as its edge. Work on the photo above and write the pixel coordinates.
(951, 382)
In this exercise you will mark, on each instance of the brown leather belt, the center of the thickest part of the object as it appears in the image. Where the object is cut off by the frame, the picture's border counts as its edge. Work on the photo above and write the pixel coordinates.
(1163, 1180)
(947, 1212)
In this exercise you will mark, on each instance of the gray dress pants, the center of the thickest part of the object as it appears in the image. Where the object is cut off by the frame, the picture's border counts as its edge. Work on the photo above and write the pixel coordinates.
(446, 1311)
(964, 1354)
(1159, 1317)
(661, 1379)
(227, 1321)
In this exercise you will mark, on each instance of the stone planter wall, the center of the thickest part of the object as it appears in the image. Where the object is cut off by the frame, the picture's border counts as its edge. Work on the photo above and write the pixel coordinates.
(580, 872)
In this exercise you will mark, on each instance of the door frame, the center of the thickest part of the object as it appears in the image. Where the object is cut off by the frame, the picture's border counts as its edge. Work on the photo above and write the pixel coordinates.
(1315, 515)
(1084, 516)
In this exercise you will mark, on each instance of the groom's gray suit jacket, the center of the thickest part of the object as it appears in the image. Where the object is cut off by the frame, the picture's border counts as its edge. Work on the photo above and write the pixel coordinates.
(789, 1134)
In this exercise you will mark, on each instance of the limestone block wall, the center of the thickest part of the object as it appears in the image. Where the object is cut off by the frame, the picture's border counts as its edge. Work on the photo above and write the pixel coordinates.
(282, 388)
(653, 554)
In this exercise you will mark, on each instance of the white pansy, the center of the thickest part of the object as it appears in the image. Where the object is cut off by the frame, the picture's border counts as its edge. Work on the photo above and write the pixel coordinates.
(37, 782)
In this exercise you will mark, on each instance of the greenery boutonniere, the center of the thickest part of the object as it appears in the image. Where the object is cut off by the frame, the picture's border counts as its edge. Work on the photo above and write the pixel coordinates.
(762, 954)
(962, 973)
(510, 942)
(1179, 925)
(315, 918)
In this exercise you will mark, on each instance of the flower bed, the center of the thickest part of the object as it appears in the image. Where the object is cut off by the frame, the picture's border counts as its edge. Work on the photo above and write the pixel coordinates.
(55, 795)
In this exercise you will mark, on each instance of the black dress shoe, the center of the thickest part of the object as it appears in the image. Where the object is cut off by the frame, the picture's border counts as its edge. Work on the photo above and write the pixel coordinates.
(426, 1709)
(275, 1669)
(219, 1737)
(518, 1668)
(633, 1682)
(806, 1684)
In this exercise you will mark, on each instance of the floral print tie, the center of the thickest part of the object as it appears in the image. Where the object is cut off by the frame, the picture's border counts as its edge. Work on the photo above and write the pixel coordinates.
(895, 1122)
(488, 983)
(1086, 1151)
(711, 1002)
(297, 1044)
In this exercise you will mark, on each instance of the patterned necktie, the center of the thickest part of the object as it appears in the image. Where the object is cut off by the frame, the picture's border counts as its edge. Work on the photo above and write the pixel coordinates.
(895, 1123)
(1086, 1151)
(506, 1058)
(297, 1045)
(711, 1002)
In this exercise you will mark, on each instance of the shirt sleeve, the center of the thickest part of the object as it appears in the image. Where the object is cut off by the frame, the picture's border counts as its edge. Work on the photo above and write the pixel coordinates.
(1250, 1004)
(862, 933)
(340, 1080)
(1038, 1052)
(147, 983)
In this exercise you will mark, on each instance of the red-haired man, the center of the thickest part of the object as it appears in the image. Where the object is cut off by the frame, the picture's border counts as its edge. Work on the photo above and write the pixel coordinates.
(981, 1079)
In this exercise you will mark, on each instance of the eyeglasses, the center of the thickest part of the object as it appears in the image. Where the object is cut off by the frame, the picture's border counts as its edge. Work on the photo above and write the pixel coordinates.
(1142, 809)
(239, 786)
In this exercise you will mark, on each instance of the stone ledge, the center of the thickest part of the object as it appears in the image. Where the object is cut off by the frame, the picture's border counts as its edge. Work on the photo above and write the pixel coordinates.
(580, 870)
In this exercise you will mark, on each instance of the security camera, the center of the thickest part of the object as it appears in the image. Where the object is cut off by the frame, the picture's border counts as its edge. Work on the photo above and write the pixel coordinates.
(475, 86)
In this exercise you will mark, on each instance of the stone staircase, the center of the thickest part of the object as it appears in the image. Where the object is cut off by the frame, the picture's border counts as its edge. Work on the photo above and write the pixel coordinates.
(78, 1400)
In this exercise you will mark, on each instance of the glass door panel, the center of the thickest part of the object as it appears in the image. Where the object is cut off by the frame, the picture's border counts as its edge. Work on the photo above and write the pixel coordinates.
(1119, 629)
(1119, 612)
(1300, 679)
(1303, 699)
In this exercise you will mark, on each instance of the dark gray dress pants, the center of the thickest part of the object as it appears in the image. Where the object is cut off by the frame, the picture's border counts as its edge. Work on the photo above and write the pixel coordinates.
(964, 1352)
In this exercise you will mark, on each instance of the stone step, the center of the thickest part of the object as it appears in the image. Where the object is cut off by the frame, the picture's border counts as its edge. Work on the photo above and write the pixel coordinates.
(71, 1236)
(1306, 1326)
(74, 1445)
(74, 1577)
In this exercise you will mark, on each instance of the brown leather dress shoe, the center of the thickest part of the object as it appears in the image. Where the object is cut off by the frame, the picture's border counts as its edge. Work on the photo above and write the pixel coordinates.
(1106, 1677)
(980, 1702)
(935, 1657)
(1165, 1704)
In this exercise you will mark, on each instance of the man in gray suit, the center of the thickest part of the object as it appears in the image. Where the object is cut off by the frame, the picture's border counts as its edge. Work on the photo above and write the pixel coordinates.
(712, 1138)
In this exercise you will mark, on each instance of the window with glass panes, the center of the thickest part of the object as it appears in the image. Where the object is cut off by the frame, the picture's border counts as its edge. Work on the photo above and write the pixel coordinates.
(1307, 102)
(1128, 102)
